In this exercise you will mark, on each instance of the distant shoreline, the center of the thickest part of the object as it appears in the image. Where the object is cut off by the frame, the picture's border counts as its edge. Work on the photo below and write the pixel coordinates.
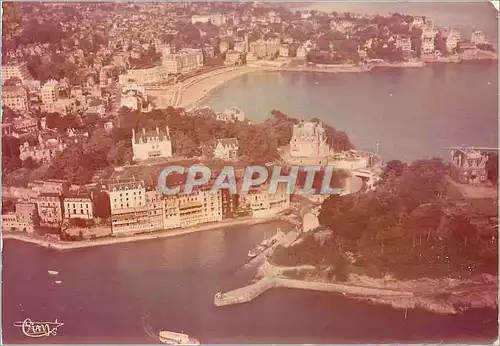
(195, 90)
(65, 245)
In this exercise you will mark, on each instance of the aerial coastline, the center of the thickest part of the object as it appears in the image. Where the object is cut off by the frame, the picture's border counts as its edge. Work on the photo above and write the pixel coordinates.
(51, 243)
(101, 101)
(193, 91)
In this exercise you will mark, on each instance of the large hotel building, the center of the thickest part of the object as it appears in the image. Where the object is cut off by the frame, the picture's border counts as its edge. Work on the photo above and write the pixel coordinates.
(136, 210)
(184, 61)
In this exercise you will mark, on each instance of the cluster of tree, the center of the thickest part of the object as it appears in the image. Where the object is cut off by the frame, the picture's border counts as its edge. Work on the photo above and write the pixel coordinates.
(56, 67)
(148, 59)
(408, 227)
(35, 31)
(78, 162)
(94, 42)
(486, 46)
(11, 18)
(389, 53)
(10, 156)
(189, 134)
(329, 58)
(492, 168)
(258, 142)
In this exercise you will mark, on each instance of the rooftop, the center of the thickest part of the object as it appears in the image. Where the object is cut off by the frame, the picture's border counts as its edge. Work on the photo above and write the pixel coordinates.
(229, 142)
(146, 134)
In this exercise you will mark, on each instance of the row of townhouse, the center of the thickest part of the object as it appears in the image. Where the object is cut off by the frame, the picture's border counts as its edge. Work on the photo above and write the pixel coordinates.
(49, 204)
(135, 209)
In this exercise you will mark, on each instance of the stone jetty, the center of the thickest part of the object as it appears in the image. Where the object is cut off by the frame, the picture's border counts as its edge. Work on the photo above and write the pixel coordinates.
(252, 291)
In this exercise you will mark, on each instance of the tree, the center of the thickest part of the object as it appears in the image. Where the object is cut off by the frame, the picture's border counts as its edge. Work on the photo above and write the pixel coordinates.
(492, 168)
(102, 205)
(393, 169)
(341, 270)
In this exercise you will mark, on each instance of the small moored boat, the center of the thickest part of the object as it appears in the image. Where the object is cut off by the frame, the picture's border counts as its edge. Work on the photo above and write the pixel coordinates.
(173, 338)
(58, 282)
(53, 272)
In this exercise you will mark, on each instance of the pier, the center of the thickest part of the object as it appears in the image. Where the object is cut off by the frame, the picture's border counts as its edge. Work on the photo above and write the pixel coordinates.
(244, 294)
(248, 293)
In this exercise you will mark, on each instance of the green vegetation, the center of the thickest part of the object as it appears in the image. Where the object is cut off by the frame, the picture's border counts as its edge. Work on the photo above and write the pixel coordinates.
(408, 227)
(189, 132)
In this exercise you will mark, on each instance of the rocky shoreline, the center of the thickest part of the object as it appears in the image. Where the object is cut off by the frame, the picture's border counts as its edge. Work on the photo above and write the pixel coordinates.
(443, 296)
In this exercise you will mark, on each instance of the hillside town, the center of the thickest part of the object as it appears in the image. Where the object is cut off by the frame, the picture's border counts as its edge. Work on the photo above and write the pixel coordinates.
(97, 58)
(79, 81)
(122, 204)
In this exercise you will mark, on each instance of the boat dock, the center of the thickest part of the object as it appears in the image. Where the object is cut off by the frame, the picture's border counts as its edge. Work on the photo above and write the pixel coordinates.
(286, 240)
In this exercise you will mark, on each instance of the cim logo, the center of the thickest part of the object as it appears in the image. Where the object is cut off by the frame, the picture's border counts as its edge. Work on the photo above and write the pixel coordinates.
(38, 329)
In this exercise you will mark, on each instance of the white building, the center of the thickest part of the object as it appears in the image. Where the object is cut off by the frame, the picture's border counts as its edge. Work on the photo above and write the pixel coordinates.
(223, 47)
(478, 37)
(227, 149)
(144, 76)
(78, 205)
(403, 43)
(184, 61)
(428, 46)
(309, 140)
(418, 21)
(265, 49)
(240, 47)
(135, 98)
(50, 92)
(232, 58)
(19, 70)
(262, 203)
(284, 50)
(125, 195)
(200, 18)
(151, 144)
(16, 98)
(301, 52)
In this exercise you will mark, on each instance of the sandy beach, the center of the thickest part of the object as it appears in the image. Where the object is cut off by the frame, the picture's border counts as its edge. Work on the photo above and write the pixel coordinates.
(65, 245)
(193, 90)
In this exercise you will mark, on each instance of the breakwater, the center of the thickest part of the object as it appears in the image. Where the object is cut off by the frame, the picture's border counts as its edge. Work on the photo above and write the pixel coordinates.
(248, 293)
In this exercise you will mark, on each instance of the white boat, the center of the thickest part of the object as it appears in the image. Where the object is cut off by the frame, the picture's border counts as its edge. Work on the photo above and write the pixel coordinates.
(173, 338)
(53, 272)
(257, 251)
(57, 282)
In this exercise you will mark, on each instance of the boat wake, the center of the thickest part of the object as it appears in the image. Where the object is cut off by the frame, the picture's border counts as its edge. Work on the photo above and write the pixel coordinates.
(148, 329)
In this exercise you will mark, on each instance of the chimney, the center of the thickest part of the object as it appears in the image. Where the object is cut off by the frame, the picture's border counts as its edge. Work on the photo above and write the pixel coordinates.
(157, 130)
(143, 131)
(168, 131)
(133, 133)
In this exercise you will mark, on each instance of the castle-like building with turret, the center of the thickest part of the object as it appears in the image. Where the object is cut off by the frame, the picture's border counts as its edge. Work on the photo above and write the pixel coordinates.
(309, 140)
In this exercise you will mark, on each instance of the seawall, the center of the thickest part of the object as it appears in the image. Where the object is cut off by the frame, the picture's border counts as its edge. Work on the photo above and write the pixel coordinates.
(65, 245)
(248, 293)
